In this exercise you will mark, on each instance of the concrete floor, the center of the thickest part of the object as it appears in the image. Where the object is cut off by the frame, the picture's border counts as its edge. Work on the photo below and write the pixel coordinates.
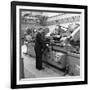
(31, 72)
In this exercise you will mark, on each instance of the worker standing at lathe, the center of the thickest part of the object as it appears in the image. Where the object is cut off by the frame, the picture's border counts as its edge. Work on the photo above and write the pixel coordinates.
(40, 46)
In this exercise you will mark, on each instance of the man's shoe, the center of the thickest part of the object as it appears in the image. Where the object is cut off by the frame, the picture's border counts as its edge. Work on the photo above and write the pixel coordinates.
(40, 68)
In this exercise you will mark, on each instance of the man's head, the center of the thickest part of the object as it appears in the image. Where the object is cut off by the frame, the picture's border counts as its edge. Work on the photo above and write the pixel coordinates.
(46, 30)
(40, 29)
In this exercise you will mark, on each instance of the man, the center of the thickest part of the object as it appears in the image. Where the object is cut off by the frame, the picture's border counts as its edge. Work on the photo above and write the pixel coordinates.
(40, 47)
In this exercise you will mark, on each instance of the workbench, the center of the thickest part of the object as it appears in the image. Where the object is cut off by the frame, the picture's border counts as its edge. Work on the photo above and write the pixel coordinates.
(68, 60)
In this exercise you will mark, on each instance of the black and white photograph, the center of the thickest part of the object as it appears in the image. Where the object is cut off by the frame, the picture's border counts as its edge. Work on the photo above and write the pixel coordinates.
(50, 44)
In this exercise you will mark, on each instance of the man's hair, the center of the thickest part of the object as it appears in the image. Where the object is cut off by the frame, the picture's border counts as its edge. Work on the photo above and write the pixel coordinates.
(40, 29)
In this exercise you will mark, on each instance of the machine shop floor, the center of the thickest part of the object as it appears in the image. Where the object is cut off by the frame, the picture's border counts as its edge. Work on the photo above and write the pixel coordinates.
(31, 72)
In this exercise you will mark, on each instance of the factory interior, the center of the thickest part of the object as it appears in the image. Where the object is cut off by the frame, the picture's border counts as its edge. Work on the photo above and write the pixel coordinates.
(62, 57)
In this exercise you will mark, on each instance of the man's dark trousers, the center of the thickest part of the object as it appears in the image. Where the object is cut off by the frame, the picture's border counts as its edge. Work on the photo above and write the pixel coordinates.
(38, 58)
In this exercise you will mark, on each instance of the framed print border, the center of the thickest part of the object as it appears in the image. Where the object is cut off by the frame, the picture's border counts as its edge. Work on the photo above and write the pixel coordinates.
(13, 47)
